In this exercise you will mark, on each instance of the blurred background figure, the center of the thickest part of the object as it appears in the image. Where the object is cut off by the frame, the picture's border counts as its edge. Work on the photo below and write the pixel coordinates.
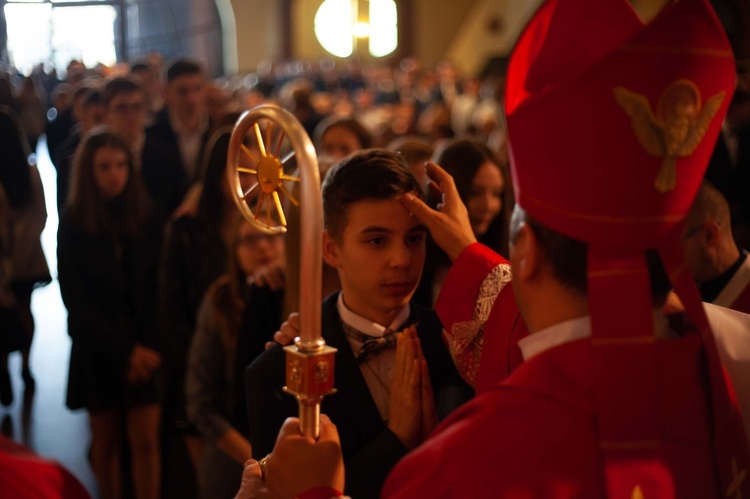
(214, 384)
(336, 138)
(89, 114)
(416, 151)
(183, 123)
(107, 257)
(32, 110)
(720, 268)
(195, 254)
(22, 214)
(482, 186)
(729, 169)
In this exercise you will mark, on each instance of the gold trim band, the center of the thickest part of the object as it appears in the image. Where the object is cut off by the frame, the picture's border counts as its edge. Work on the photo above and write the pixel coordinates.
(646, 49)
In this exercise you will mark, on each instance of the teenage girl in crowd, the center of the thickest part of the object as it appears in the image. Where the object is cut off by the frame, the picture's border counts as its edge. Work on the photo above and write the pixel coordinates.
(195, 255)
(481, 184)
(214, 386)
(107, 256)
(336, 138)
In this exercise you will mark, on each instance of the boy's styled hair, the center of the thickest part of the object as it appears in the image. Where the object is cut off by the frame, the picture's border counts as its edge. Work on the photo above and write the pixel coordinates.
(120, 85)
(369, 174)
(182, 67)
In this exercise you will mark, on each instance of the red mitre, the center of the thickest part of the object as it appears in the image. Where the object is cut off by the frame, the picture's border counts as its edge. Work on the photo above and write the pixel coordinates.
(611, 125)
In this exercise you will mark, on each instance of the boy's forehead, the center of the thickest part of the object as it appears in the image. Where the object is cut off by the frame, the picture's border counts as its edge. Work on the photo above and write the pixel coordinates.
(372, 213)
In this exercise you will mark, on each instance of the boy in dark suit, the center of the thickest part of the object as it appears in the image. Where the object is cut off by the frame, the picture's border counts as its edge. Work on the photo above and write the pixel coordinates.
(183, 123)
(388, 398)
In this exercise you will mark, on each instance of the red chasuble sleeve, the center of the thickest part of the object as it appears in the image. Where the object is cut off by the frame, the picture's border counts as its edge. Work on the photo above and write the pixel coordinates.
(480, 318)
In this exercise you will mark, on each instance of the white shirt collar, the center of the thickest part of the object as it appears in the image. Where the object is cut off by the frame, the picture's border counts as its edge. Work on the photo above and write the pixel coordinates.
(367, 326)
(181, 130)
(575, 329)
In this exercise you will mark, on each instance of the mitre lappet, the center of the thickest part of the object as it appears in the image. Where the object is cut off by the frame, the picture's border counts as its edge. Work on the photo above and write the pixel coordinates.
(611, 124)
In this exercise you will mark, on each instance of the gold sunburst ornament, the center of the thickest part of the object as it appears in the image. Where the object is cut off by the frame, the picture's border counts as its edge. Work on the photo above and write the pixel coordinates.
(267, 165)
(677, 128)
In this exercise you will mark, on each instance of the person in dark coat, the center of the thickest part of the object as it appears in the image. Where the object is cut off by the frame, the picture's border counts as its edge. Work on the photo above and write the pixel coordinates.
(158, 166)
(194, 256)
(107, 256)
(214, 378)
(91, 114)
(183, 124)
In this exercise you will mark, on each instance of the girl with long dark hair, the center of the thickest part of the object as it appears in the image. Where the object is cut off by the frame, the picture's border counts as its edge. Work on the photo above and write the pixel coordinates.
(107, 256)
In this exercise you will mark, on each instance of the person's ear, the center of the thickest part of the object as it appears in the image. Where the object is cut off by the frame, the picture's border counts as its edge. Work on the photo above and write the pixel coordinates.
(712, 235)
(528, 254)
(330, 250)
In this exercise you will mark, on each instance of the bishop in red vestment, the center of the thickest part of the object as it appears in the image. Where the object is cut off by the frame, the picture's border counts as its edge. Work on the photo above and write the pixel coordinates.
(604, 400)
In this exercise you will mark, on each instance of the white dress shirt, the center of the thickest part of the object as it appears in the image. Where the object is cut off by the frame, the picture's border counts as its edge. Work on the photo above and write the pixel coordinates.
(378, 369)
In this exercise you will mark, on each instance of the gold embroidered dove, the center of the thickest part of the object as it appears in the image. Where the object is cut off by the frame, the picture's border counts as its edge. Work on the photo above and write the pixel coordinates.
(676, 130)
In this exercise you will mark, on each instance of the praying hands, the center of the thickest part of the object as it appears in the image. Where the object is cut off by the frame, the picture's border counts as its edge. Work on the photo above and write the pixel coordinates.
(411, 415)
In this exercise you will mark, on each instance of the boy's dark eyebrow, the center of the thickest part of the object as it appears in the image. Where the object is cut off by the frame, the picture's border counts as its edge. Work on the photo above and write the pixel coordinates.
(375, 228)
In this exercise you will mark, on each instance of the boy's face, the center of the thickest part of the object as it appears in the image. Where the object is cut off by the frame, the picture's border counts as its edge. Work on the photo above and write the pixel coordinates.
(126, 114)
(186, 95)
(379, 256)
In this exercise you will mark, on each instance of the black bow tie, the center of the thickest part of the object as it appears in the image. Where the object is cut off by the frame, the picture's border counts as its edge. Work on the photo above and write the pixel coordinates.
(371, 345)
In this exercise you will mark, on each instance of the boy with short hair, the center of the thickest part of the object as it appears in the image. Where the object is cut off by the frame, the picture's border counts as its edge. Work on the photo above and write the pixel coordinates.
(125, 114)
(89, 113)
(183, 123)
(385, 404)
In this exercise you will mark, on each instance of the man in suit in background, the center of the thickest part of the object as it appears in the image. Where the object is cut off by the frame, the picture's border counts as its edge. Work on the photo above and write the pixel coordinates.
(183, 123)
(720, 268)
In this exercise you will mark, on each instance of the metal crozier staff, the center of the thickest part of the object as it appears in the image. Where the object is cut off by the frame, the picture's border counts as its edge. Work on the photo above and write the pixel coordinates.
(309, 362)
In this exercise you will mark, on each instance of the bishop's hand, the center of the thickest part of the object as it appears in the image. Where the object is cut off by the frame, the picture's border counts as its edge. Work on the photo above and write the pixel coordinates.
(450, 226)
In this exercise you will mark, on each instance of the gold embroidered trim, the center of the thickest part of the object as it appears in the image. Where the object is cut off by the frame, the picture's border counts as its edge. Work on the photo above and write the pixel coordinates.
(647, 49)
(614, 220)
(465, 339)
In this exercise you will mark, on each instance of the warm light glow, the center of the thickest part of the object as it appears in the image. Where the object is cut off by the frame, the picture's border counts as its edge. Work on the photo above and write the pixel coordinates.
(361, 30)
(336, 27)
(333, 27)
(383, 27)
(40, 33)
